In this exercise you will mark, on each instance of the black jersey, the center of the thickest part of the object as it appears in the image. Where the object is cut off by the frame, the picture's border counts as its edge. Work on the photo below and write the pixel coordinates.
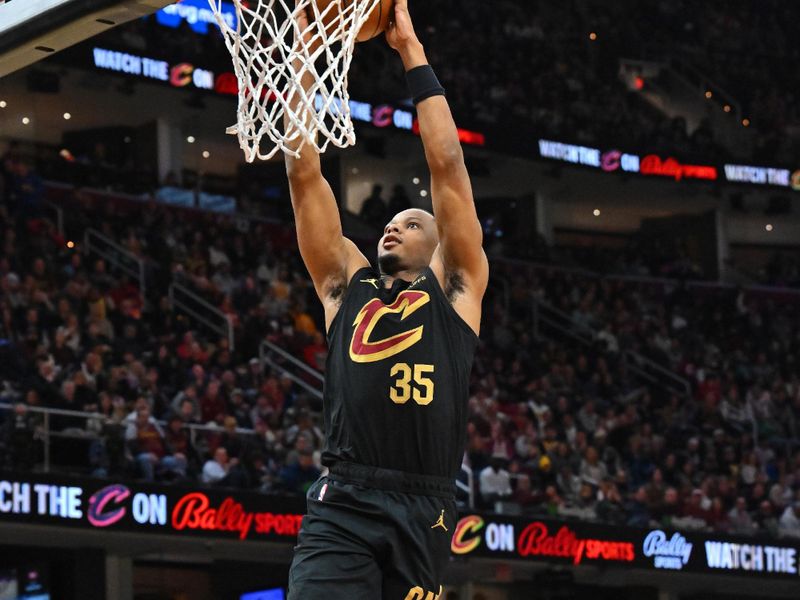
(397, 378)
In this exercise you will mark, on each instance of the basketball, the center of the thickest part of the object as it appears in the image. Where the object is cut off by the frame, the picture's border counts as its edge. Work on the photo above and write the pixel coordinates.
(377, 22)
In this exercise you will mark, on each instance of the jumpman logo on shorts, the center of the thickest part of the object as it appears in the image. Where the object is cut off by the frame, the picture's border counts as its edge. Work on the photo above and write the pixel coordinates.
(440, 522)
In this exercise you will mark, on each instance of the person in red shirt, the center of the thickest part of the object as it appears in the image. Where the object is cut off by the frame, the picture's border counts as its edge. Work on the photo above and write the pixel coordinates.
(146, 444)
(212, 404)
(179, 444)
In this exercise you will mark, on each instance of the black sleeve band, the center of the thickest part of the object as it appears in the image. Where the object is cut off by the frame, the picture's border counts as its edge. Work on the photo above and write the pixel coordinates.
(422, 83)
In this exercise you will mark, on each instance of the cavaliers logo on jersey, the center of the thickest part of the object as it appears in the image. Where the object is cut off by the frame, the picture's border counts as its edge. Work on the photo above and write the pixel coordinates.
(363, 349)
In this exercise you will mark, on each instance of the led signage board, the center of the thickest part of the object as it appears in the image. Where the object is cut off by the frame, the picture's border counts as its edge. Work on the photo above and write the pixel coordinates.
(197, 14)
(237, 515)
(657, 165)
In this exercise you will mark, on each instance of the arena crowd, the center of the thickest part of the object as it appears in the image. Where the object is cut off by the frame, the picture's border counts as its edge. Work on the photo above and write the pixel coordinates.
(557, 427)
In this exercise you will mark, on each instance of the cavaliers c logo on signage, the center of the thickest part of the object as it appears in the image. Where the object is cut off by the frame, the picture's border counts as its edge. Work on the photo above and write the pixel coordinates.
(363, 350)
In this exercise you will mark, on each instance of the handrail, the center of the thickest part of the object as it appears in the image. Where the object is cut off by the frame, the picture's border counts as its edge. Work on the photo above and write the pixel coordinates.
(573, 329)
(177, 303)
(47, 413)
(59, 216)
(95, 415)
(634, 361)
(293, 359)
(469, 487)
(267, 361)
(701, 80)
(137, 273)
(666, 281)
(682, 382)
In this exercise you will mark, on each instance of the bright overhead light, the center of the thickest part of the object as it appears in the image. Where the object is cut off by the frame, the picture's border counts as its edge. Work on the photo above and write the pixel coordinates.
(190, 139)
(709, 94)
(206, 153)
(593, 36)
(727, 108)
(746, 122)
(3, 104)
(70, 244)
(768, 227)
(596, 212)
(67, 116)
(423, 193)
(25, 120)
(416, 180)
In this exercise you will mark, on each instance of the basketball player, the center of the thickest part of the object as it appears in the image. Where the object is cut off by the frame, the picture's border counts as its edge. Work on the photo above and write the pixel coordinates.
(402, 339)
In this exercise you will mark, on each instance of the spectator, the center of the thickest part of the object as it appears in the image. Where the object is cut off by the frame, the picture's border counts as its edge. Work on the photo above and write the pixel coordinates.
(18, 438)
(216, 469)
(373, 209)
(766, 520)
(789, 523)
(637, 509)
(298, 477)
(212, 404)
(592, 470)
(739, 519)
(495, 482)
(146, 443)
(179, 445)
(523, 494)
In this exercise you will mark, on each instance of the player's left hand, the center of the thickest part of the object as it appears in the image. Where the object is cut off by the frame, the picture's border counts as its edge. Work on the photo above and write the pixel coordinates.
(400, 33)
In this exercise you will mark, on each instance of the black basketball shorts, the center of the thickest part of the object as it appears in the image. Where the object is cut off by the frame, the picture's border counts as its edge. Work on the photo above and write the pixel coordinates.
(373, 534)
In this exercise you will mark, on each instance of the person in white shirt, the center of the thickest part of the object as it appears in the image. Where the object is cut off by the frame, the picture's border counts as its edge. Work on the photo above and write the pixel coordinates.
(495, 481)
(216, 469)
(789, 523)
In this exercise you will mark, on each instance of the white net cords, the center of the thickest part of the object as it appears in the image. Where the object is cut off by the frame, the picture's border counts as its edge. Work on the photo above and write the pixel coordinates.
(270, 59)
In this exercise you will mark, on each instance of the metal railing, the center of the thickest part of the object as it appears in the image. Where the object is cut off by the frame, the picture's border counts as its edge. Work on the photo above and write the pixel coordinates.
(549, 321)
(59, 213)
(118, 256)
(649, 280)
(469, 487)
(547, 316)
(43, 430)
(290, 366)
(181, 298)
(654, 372)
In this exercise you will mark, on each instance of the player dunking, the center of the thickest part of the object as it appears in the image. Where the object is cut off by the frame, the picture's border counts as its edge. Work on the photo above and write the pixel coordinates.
(401, 341)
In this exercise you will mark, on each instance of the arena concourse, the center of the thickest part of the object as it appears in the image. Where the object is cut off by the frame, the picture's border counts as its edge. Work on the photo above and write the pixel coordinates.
(639, 355)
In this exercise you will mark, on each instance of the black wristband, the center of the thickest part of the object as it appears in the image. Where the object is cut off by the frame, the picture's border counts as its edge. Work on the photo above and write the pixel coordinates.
(422, 83)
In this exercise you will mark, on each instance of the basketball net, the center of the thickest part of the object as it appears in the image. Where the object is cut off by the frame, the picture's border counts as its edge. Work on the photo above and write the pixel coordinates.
(270, 58)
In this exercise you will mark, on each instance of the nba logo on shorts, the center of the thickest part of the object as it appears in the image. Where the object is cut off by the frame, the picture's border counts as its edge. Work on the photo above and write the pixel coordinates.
(322, 492)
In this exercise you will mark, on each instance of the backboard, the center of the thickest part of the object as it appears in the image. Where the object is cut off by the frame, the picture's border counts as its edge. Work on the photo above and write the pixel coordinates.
(31, 30)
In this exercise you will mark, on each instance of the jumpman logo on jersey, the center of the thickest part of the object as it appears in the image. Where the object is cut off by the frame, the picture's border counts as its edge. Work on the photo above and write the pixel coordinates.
(440, 522)
(373, 282)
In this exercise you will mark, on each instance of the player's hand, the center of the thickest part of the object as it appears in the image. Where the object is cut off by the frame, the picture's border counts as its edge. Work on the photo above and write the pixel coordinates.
(401, 35)
(302, 29)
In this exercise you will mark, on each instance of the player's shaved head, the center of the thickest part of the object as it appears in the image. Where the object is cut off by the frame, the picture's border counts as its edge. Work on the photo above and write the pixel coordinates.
(418, 237)
(420, 212)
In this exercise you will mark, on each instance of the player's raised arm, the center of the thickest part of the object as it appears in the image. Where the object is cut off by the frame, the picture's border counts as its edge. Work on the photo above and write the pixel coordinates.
(331, 259)
(460, 259)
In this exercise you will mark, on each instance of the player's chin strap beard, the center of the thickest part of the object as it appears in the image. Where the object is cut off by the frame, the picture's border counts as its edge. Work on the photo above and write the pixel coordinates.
(389, 264)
